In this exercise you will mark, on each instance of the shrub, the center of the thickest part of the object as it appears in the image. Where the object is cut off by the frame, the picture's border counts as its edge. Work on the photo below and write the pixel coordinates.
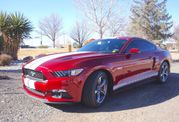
(28, 58)
(5, 59)
(76, 45)
(43, 46)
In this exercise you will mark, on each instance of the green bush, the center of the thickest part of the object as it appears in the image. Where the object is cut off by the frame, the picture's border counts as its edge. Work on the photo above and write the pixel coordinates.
(43, 46)
(5, 59)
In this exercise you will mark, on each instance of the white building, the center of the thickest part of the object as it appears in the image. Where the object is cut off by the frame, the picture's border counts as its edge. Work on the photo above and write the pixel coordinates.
(171, 44)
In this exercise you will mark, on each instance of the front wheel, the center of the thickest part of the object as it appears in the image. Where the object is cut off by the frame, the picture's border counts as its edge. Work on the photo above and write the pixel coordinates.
(164, 72)
(95, 89)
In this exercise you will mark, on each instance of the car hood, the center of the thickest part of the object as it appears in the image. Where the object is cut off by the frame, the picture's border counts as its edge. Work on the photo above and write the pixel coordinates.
(63, 60)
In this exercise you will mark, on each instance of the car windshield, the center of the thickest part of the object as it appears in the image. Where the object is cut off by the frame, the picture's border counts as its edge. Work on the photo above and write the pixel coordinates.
(104, 46)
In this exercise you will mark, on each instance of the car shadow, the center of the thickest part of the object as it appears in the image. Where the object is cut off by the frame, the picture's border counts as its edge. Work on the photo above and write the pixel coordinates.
(150, 93)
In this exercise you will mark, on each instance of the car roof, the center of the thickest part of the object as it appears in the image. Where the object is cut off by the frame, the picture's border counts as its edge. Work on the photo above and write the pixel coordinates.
(128, 38)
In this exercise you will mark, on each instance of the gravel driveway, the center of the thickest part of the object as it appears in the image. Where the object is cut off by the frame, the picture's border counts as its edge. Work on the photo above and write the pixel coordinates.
(149, 102)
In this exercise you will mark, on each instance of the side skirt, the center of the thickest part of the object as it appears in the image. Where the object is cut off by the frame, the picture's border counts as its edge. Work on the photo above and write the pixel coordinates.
(134, 79)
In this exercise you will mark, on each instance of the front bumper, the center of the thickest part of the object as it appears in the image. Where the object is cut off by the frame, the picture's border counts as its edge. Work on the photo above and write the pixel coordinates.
(56, 90)
(44, 100)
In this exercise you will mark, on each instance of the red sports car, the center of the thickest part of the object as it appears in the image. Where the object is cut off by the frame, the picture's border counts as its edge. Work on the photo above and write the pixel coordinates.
(89, 74)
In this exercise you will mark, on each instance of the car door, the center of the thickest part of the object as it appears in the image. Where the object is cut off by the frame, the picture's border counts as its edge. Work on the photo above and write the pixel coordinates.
(135, 66)
(138, 62)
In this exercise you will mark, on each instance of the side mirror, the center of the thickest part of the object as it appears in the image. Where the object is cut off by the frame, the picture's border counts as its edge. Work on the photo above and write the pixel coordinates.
(134, 50)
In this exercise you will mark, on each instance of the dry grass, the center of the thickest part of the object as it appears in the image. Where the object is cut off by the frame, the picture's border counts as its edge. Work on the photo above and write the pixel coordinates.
(37, 51)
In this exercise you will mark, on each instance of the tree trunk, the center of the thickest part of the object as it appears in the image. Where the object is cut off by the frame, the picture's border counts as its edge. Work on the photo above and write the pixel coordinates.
(10, 47)
(6, 45)
(80, 45)
(15, 48)
(101, 33)
(53, 43)
(1, 44)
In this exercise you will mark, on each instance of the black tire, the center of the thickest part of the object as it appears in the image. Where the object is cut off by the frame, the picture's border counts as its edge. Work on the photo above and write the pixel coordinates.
(163, 72)
(92, 96)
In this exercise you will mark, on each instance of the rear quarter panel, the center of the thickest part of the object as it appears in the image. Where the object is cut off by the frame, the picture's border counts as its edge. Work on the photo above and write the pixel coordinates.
(162, 55)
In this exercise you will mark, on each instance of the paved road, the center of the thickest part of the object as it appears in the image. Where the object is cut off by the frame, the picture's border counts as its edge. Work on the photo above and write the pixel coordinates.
(149, 102)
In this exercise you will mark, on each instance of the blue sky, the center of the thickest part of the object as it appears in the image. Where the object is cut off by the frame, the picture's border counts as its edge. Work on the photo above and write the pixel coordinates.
(36, 10)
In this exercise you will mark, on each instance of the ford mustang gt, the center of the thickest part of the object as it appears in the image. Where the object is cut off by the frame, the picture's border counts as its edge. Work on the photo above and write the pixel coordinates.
(89, 74)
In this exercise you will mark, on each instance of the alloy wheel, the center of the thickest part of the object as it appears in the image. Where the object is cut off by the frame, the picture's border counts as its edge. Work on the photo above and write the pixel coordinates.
(164, 72)
(101, 89)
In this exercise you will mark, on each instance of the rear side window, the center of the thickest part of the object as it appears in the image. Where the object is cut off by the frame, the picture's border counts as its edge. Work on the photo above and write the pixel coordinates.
(142, 45)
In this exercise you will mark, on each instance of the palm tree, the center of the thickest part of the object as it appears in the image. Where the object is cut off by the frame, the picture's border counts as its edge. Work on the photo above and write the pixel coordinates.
(20, 28)
(4, 19)
(14, 27)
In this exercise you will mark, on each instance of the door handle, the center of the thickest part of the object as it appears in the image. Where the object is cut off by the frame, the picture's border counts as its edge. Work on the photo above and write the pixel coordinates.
(151, 57)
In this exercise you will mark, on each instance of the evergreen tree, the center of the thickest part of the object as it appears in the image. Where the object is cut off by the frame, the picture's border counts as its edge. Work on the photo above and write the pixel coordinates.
(150, 20)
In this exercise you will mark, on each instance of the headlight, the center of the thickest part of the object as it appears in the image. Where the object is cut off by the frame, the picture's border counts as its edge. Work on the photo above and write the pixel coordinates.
(67, 73)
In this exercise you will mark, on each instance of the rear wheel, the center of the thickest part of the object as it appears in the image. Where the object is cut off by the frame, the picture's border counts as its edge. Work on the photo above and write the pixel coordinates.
(95, 89)
(164, 72)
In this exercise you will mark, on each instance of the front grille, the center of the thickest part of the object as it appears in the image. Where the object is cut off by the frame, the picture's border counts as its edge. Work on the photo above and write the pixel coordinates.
(61, 73)
(34, 74)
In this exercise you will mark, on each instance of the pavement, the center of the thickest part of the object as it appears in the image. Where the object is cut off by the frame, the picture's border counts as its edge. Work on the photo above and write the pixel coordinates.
(149, 102)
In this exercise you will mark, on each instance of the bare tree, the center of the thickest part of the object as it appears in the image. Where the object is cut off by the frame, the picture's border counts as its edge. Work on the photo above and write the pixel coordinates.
(98, 12)
(51, 27)
(116, 26)
(80, 33)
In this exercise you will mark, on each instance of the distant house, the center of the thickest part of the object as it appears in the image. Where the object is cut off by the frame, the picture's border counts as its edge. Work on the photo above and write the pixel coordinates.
(171, 44)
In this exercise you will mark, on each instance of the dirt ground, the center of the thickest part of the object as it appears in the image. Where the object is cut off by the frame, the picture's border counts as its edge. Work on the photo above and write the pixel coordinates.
(175, 56)
(150, 102)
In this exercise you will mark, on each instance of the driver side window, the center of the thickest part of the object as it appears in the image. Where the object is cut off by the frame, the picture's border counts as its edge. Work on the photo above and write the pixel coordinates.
(141, 44)
(133, 44)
